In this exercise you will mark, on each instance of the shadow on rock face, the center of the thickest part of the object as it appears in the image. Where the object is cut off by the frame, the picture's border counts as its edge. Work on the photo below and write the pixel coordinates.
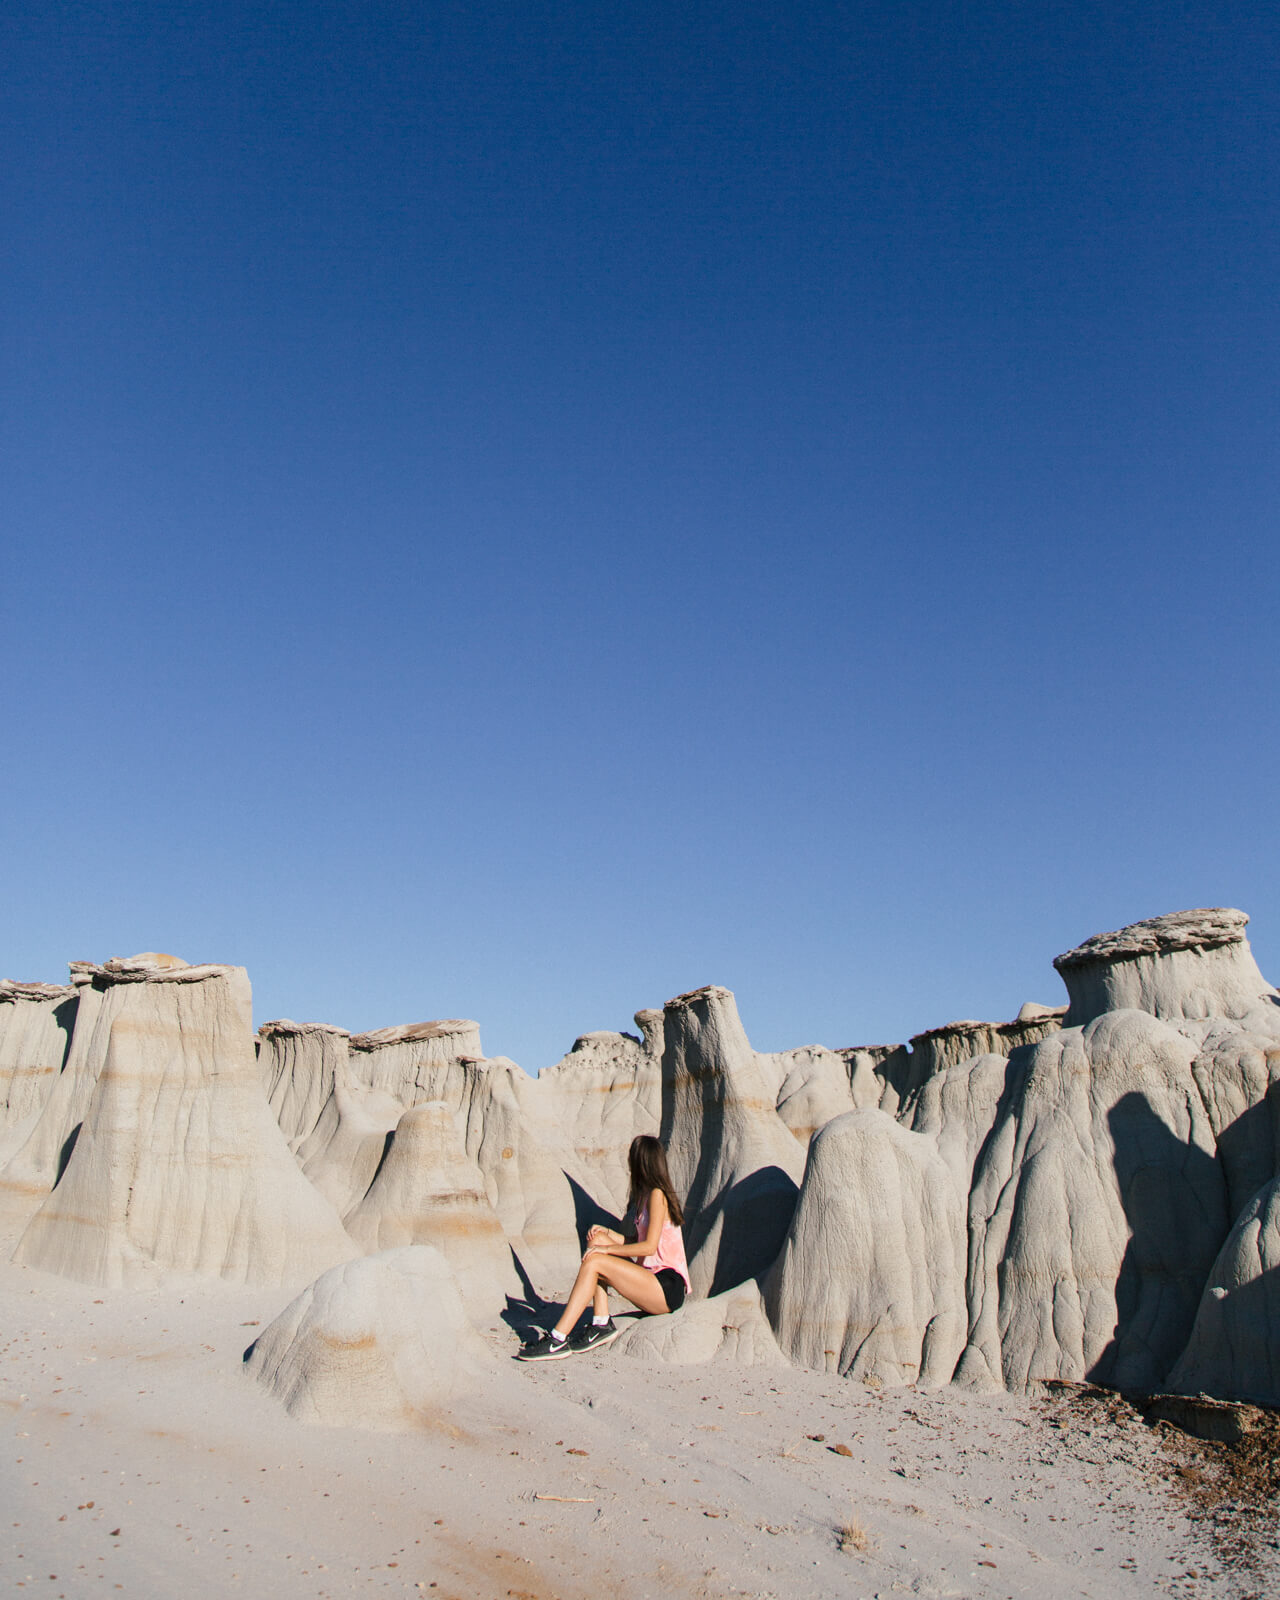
(588, 1212)
(757, 1212)
(1174, 1200)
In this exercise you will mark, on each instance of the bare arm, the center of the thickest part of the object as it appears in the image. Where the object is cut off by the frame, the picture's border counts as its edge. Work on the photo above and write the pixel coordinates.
(649, 1244)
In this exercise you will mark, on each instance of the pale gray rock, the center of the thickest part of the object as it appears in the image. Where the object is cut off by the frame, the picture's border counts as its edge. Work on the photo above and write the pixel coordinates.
(36, 1021)
(428, 1191)
(408, 1062)
(731, 1327)
(34, 1165)
(382, 1343)
(870, 1280)
(1234, 1349)
(523, 1156)
(893, 1076)
(528, 1168)
(1236, 1067)
(731, 1156)
(179, 1167)
(814, 1087)
(1097, 1208)
(604, 1092)
(937, 1049)
(1188, 964)
(957, 1108)
(341, 1156)
(877, 1074)
(297, 1062)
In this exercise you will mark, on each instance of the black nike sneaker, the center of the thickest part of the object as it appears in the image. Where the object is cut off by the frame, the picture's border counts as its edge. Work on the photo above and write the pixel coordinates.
(544, 1349)
(592, 1337)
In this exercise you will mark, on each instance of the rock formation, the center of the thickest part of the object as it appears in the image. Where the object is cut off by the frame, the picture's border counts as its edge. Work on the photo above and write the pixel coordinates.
(1189, 964)
(1096, 1211)
(298, 1062)
(36, 1020)
(34, 1167)
(1234, 1349)
(877, 1073)
(382, 1342)
(604, 1092)
(729, 1152)
(730, 1327)
(1085, 1192)
(410, 1062)
(814, 1085)
(342, 1154)
(429, 1192)
(870, 1280)
(178, 1165)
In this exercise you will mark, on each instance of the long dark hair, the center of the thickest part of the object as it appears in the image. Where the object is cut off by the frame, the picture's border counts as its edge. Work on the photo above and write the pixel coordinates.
(648, 1162)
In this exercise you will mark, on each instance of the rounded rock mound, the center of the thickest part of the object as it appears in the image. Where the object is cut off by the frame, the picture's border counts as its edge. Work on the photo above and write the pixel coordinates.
(382, 1342)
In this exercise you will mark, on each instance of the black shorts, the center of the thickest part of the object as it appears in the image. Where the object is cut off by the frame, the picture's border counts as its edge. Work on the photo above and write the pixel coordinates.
(673, 1288)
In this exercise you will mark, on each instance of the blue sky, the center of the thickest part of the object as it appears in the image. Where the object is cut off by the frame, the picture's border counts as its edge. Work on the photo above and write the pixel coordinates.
(517, 511)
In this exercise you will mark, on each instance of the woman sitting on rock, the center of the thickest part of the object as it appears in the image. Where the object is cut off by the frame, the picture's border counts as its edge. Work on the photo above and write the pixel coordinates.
(647, 1267)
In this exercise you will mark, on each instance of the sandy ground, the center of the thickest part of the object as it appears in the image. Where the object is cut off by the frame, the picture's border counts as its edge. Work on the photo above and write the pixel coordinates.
(138, 1458)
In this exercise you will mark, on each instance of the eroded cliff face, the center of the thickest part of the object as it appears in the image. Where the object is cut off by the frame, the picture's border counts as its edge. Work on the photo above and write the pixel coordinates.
(1083, 1192)
(177, 1165)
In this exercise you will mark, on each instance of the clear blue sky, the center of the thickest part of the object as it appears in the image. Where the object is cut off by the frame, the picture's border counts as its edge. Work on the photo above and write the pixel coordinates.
(516, 510)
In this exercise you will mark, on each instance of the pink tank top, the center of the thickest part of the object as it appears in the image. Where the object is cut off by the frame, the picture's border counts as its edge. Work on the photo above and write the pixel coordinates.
(670, 1251)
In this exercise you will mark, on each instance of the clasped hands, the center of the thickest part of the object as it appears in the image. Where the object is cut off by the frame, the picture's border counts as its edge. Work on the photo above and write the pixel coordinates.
(598, 1241)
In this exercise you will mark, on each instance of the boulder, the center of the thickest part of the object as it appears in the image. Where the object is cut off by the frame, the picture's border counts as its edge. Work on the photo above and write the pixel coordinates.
(429, 1192)
(1234, 1349)
(731, 1157)
(178, 1166)
(1188, 964)
(870, 1280)
(382, 1342)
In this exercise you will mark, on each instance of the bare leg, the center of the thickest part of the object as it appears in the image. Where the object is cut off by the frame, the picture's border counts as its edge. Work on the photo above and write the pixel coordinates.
(585, 1288)
(629, 1278)
(600, 1303)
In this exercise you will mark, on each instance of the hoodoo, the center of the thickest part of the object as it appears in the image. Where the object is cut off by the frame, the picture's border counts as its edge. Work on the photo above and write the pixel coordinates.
(412, 1061)
(1188, 964)
(604, 1092)
(178, 1165)
(729, 1151)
